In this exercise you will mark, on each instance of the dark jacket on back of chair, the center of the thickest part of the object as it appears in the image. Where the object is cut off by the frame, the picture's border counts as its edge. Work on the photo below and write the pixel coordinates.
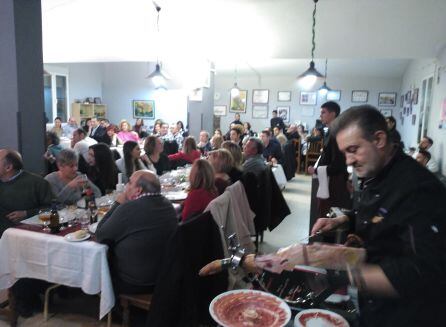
(181, 297)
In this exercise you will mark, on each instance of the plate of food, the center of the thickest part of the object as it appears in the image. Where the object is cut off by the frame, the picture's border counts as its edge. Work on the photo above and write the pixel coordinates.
(78, 236)
(319, 318)
(249, 308)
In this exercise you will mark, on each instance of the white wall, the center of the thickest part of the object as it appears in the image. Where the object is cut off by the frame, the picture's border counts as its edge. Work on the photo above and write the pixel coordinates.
(223, 84)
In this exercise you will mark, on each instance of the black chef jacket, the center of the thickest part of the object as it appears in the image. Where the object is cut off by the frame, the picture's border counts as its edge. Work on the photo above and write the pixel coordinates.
(400, 215)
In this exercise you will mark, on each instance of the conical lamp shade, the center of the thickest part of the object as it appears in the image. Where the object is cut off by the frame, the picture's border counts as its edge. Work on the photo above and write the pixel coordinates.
(324, 89)
(312, 71)
(158, 78)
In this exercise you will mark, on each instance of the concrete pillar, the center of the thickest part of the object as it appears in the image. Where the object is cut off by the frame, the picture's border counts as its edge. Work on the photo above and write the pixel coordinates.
(22, 124)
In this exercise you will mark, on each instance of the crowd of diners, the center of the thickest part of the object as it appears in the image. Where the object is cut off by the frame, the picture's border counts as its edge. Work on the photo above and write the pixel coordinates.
(218, 160)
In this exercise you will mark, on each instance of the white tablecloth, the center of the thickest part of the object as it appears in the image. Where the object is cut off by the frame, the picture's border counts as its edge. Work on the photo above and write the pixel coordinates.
(48, 257)
(279, 174)
(65, 142)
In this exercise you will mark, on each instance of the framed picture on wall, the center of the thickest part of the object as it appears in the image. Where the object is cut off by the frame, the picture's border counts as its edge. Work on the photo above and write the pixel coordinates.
(196, 95)
(402, 101)
(238, 102)
(387, 99)
(334, 95)
(284, 113)
(415, 96)
(386, 112)
(259, 111)
(144, 109)
(284, 96)
(220, 110)
(308, 98)
(260, 96)
(360, 96)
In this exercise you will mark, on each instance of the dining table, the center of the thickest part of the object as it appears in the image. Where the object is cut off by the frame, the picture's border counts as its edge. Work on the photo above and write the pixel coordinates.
(28, 252)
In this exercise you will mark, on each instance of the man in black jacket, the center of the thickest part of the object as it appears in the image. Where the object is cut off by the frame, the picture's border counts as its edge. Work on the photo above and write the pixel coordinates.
(137, 229)
(98, 132)
(277, 121)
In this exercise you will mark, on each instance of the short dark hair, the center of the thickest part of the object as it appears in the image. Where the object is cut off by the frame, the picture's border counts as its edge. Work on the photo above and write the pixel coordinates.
(53, 137)
(332, 107)
(392, 119)
(14, 159)
(81, 131)
(259, 144)
(426, 154)
(366, 117)
(267, 132)
(274, 111)
(429, 140)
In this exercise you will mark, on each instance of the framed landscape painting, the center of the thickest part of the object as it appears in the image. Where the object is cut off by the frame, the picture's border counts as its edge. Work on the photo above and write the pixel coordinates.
(238, 102)
(144, 109)
(387, 99)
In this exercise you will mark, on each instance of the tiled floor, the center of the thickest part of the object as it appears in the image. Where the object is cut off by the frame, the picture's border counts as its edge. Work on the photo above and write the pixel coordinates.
(83, 310)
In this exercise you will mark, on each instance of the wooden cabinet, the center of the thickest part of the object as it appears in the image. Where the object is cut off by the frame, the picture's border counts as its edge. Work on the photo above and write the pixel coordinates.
(82, 111)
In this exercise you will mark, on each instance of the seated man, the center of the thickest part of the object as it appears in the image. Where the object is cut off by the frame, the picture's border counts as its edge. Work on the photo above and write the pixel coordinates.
(22, 194)
(80, 144)
(423, 157)
(425, 144)
(70, 127)
(254, 161)
(204, 145)
(137, 229)
(272, 151)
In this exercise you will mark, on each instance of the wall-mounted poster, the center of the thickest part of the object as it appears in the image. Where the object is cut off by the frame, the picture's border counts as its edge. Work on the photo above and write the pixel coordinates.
(284, 96)
(387, 99)
(360, 96)
(220, 110)
(259, 111)
(260, 96)
(144, 109)
(238, 102)
(284, 113)
(308, 98)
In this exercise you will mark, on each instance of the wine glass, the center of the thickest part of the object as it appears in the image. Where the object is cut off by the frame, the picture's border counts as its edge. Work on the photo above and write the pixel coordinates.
(44, 217)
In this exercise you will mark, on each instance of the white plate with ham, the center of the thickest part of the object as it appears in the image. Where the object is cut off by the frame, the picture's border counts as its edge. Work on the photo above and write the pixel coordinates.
(242, 308)
(319, 318)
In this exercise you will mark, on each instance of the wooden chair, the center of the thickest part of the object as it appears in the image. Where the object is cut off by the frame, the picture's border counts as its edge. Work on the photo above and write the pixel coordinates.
(298, 147)
(141, 301)
(313, 153)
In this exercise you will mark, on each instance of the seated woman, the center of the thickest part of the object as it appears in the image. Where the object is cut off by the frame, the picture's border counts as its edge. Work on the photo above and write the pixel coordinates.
(236, 170)
(202, 189)
(131, 161)
(222, 162)
(112, 139)
(216, 142)
(153, 147)
(126, 133)
(102, 169)
(187, 155)
(52, 150)
(67, 183)
(140, 128)
(57, 129)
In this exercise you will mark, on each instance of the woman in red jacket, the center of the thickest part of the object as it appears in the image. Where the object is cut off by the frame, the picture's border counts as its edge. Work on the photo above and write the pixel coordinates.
(188, 154)
(201, 191)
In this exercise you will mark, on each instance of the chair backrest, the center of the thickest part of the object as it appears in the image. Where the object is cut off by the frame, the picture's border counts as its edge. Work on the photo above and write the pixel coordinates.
(315, 147)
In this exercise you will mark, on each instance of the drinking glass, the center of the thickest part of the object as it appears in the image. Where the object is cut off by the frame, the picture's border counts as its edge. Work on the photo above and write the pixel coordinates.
(85, 220)
(44, 217)
(84, 183)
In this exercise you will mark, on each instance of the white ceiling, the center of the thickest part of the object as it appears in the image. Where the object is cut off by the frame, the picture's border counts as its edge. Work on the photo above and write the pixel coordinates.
(270, 35)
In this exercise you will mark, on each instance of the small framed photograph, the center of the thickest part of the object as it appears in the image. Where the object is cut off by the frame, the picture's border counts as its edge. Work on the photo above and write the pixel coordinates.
(308, 98)
(414, 119)
(360, 96)
(387, 99)
(402, 101)
(144, 109)
(260, 96)
(386, 112)
(284, 113)
(220, 110)
(238, 103)
(196, 95)
(334, 95)
(408, 96)
(415, 96)
(259, 111)
(284, 96)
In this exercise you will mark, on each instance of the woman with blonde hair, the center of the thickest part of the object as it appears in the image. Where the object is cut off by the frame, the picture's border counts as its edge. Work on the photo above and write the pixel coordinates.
(216, 142)
(222, 162)
(202, 189)
(236, 170)
(126, 133)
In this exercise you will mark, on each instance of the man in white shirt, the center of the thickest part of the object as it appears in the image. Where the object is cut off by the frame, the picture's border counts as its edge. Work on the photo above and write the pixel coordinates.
(425, 144)
(70, 127)
(81, 142)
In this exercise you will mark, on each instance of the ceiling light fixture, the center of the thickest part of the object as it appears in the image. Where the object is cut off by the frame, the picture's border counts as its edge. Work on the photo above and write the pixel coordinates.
(324, 89)
(235, 91)
(308, 78)
(158, 78)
